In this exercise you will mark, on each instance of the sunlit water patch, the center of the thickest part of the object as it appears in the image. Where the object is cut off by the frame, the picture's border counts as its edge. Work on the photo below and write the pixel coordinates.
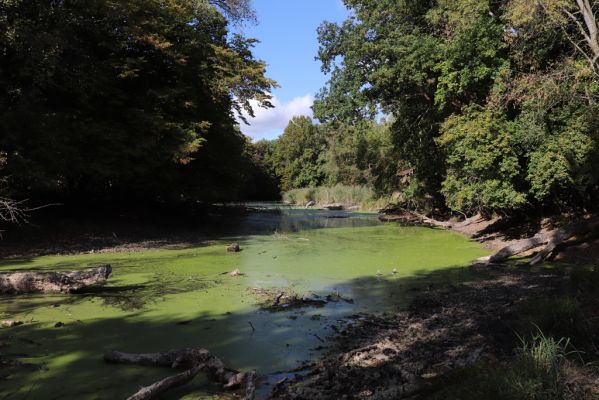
(170, 299)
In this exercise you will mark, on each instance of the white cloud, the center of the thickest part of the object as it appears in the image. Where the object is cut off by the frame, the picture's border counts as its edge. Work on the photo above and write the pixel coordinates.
(270, 123)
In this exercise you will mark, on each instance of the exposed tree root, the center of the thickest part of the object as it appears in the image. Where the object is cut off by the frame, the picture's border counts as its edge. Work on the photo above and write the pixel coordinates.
(53, 282)
(196, 360)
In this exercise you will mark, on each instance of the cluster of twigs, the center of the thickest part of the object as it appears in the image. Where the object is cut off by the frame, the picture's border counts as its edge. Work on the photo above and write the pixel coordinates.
(12, 211)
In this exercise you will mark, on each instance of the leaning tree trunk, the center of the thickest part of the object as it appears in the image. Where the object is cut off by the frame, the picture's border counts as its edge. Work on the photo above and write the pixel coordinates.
(195, 360)
(53, 282)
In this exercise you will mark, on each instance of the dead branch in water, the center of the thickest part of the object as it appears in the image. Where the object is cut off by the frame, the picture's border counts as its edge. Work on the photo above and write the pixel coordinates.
(53, 282)
(196, 360)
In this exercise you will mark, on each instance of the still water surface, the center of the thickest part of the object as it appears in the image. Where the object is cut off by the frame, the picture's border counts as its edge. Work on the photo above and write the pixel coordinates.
(173, 298)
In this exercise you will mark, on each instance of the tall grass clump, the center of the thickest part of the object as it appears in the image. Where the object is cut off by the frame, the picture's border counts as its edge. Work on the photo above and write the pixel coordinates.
(559, 316)
(540, 370)
(362, 196)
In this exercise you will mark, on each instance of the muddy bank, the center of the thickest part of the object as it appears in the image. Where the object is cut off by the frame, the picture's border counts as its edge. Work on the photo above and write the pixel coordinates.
(68, 233)
(408, 354)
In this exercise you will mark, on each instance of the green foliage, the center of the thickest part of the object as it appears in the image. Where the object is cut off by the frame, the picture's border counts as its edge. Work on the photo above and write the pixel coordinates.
(556, 317)
(493, 103)
(418, 62)
(539, 371)
(482, 162)
(360, 154)
(362, 196)
(334, 153)
(261, 180)
(472, 58)
(128, 99)
(299, 154)
(562, 167)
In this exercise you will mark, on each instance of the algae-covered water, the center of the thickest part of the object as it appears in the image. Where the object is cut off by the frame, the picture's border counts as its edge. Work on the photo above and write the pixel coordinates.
(173, 298)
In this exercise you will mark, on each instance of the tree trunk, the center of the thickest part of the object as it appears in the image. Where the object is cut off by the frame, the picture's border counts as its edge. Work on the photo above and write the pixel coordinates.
(592, 34)
(53, 282)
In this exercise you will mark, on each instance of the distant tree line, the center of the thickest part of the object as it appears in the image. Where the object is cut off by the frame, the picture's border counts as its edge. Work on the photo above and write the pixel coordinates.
(311, 155)
(130, 101)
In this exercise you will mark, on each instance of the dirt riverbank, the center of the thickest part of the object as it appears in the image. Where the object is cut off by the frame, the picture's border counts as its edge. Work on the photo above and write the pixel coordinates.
(412, 353)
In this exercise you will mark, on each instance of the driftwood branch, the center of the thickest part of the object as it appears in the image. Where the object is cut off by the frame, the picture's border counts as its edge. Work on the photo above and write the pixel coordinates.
(195, 360)
(156, 389)
(53, 282)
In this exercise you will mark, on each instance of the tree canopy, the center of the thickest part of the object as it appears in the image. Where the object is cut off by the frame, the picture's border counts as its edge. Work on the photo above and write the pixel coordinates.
(132, 99)
(494, 102)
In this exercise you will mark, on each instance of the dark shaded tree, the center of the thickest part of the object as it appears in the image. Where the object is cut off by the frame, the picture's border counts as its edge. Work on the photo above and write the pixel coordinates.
(130, 100)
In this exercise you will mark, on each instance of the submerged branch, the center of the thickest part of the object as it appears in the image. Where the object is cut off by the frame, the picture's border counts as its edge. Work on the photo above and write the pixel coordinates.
(196, 360)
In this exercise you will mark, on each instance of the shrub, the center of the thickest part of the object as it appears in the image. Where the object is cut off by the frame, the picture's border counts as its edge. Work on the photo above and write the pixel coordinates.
(540, 370)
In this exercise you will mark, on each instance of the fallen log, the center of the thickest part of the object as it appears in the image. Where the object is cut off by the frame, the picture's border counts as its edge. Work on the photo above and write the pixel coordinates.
(53, 282)
(430, 221)
(415, 217)
(561, 235)
(552, 241)
(514, 249)
(195, 360)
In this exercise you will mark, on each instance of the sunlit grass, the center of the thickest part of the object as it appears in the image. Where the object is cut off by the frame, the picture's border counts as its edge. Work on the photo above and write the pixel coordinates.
(362, 196)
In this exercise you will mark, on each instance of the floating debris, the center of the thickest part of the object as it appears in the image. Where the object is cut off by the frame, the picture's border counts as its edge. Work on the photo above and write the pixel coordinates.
(233, 248)
(279, 300)
(336, 296)
(236, 272)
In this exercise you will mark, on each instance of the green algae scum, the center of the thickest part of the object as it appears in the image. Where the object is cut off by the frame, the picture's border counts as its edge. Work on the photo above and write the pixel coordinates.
(165, 299)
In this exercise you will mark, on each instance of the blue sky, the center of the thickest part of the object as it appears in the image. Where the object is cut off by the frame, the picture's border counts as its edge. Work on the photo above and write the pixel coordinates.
(287, 32)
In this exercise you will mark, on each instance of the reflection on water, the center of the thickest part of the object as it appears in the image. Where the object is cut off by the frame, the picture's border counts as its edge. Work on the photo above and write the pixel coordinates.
(276, 217)
(163, 299)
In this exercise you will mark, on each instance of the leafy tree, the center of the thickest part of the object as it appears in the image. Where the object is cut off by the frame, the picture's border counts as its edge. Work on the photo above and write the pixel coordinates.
(262, 182)
(576, 19)
(416, 61)
(360, 154)
(299, 154)
(124, 100)
(494, 103)
(483, 168)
